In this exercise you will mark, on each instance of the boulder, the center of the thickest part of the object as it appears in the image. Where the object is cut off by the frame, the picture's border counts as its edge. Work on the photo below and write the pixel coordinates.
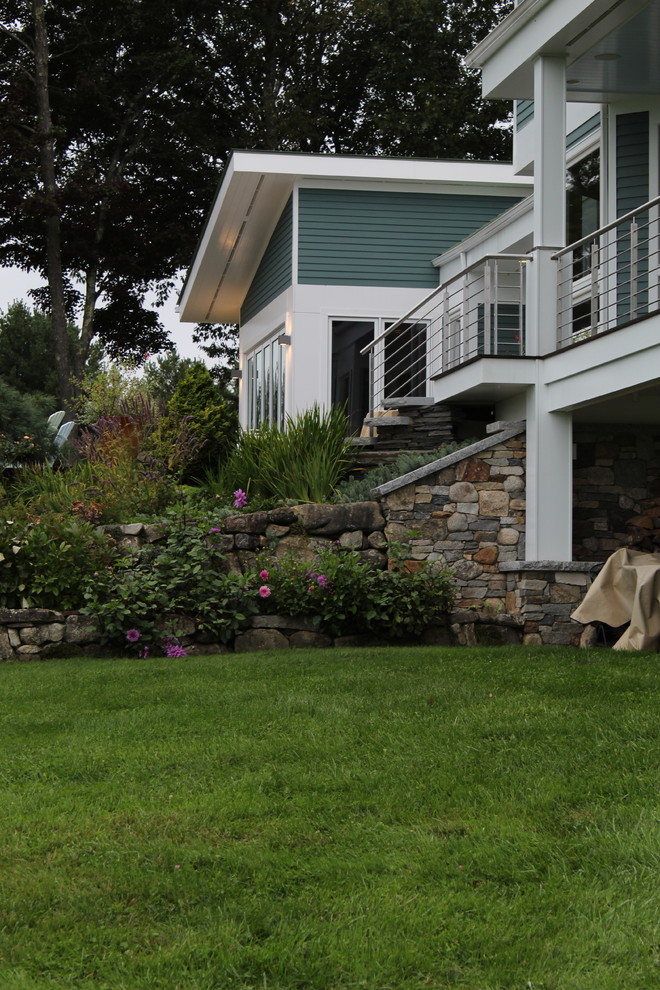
(333, 520)
(260, 639)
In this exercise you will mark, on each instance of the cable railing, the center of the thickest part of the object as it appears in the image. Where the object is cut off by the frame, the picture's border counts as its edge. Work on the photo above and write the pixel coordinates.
(610, 277)
(479, 312)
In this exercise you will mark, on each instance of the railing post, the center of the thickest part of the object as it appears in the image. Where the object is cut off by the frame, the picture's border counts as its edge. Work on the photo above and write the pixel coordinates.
(564, 299)
(594, 252)
(487, 310)
(462, 344)
(372, 396)
(522, 268)
(633, 267)
(445, 360)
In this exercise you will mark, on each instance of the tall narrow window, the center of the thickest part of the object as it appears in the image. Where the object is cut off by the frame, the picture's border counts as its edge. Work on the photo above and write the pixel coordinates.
(264, 372)
(583, 207)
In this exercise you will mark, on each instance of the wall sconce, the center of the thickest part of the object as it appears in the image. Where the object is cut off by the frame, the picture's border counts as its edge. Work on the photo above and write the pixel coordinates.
(236, 373)
(284, 339)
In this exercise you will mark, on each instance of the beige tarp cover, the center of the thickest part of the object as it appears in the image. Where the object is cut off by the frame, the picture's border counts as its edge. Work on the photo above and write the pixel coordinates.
(627, 589)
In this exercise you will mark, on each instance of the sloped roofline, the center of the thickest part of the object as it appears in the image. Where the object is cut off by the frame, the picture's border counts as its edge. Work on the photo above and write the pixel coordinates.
(254, 188)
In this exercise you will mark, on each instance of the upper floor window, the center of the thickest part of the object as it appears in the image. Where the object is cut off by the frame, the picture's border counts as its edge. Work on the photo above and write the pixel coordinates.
(582, 207)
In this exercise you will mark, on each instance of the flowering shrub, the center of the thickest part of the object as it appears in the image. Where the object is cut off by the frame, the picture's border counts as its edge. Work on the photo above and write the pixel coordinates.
(343, 594)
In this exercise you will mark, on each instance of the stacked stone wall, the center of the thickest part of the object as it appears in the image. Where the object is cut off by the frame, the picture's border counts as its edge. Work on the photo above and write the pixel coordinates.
(470, 514)
(616, 472)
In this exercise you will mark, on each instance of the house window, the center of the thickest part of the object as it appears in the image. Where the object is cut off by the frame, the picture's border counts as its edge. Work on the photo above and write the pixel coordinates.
(264, 381)
(582, 208)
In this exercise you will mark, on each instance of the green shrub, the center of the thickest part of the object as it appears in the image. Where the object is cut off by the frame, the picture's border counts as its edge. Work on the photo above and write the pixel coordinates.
(45, 562)
(24, 436)
(303, 462)
(359, 489)
(184, 574)
(199, 402)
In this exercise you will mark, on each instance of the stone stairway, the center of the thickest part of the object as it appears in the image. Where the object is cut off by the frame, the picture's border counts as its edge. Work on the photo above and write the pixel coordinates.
(415, 423)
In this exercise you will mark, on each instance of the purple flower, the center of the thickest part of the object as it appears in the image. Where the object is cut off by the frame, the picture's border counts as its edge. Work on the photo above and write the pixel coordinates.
(215, 529)
(144, 653)
(240, 498)
(264, 591)
(322, 581)
(175, 651)
(171, 647)
(133, 635)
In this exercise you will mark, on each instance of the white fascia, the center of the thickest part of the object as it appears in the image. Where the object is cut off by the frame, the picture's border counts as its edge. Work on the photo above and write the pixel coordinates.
(624, 360)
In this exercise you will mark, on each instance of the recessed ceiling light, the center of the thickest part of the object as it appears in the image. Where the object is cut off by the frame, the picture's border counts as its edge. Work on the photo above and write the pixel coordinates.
(607, 56)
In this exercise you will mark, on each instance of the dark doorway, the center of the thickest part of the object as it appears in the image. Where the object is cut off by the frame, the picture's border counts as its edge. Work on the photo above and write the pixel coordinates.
(350, 369)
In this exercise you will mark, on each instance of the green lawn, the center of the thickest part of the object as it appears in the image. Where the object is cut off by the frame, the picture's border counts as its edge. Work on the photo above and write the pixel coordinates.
(400, 818)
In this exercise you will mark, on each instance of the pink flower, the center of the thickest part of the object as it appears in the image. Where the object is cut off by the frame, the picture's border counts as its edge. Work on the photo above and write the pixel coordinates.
(264, 591)
(133, 635)
(240, 498)
(263, 575)
(215, 529)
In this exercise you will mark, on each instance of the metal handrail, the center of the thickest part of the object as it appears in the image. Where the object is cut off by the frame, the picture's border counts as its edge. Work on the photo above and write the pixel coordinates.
(442, 288)
(603, 230)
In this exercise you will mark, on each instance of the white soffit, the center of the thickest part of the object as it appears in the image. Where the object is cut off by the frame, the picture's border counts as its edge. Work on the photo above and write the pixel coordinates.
(255, 188)
(622, 31)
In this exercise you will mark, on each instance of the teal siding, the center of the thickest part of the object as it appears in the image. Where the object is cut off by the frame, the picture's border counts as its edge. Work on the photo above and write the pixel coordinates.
(275, 270)
(355, 237)
(583, 131)
(632, 190)
(632, 161)
(524, 112)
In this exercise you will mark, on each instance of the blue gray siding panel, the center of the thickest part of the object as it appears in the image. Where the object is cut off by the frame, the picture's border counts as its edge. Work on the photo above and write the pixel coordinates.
(524, 112)
(357, 237)
(275, 270)
(632, 190)
(583, 131)
(632, 161)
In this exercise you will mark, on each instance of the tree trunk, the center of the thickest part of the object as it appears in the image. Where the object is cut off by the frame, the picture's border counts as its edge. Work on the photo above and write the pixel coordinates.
(46, 141)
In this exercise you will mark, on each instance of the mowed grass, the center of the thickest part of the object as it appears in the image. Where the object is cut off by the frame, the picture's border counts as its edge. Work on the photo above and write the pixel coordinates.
(397, 818)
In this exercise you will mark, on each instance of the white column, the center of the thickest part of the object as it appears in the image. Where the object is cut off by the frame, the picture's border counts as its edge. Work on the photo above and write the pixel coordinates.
(549, 201)
(549, 515)
(550, 151)
(549, 435)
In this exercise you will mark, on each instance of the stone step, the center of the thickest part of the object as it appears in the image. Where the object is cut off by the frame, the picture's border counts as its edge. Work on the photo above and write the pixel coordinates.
(408, 402)
(382, 421)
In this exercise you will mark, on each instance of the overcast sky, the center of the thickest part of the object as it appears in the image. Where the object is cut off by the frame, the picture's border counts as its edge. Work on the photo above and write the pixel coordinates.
(15, 284)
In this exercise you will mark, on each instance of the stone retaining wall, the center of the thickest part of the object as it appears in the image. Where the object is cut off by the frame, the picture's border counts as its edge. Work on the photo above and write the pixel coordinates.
(300, 530)
(38, 634)
(466, 510)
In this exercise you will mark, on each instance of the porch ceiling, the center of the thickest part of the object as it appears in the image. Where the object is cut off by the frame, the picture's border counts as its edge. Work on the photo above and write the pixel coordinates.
(624, 63)
(635, 406)
(610, 47)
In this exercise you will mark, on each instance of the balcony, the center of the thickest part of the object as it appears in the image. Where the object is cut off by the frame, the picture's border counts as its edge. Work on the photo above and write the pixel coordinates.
(609, 279)
(605, 282)
(478, 313)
